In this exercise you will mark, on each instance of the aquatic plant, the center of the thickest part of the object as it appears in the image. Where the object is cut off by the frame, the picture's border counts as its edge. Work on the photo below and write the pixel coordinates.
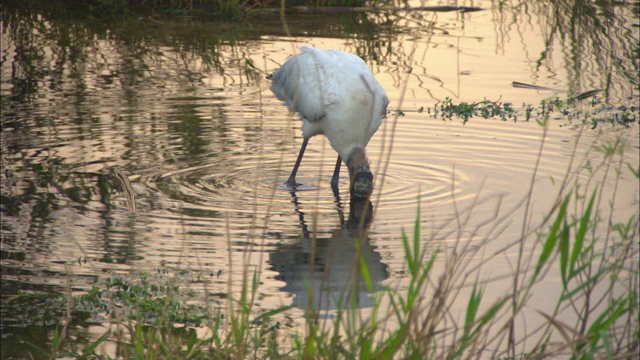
(570, 110)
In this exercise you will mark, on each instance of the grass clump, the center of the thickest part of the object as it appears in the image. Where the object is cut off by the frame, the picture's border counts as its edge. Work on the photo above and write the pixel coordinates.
(591, 310)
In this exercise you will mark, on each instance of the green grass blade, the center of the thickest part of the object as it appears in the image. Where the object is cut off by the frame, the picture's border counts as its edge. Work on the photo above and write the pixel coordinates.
(94, 345)
(606, 344)
(416, 238)
(472, 307)
(491, 313)
(583, 284)
(270, 313)
(163, 346)
(37, 348)
(470, 335)
(56, 338)
(364, 271)
(407, 252)
(139, 336)
(601, 325)
(635, 172)
(580, 235)
(564, 255)
(550, 244)
(365, 349)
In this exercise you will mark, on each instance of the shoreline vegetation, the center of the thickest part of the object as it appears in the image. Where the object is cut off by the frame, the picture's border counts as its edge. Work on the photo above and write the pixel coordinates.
(230, 22)
(236, 8)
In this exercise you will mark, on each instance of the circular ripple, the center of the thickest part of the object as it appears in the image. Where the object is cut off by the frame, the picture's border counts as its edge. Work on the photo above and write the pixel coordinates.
(404, 181)
(439, 162)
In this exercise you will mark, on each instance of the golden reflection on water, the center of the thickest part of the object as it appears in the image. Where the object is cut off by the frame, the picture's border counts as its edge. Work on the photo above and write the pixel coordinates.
(206, 153)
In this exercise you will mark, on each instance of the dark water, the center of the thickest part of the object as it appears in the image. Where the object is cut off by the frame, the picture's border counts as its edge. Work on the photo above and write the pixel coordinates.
(155, 145)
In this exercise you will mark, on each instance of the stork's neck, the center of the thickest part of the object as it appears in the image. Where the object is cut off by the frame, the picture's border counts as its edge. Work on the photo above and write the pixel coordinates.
(360, 174)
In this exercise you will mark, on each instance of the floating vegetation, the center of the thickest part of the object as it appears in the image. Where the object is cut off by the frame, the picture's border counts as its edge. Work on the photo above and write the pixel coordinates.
(447, 110)
(144, 298)
(573, 109)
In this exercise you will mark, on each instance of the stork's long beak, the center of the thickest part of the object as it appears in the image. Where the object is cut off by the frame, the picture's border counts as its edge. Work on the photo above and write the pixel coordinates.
(360, 174)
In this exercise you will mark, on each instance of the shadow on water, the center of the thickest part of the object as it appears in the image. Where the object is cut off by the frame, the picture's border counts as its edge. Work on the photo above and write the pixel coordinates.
(324, 273)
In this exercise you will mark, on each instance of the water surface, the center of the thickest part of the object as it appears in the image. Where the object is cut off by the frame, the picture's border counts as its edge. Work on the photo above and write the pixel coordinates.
(155, 145)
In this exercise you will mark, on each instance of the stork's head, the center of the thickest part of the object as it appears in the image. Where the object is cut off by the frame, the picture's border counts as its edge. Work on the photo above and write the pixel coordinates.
(360, 174)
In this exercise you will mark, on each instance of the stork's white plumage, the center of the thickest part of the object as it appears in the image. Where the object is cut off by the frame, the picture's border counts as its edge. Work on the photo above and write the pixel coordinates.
(336, 95)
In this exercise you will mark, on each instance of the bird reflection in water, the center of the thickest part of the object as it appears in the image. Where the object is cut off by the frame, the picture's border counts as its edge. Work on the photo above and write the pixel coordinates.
(326, 271)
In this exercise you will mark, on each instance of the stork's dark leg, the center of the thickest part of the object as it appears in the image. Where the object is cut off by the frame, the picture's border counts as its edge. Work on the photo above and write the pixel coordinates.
(291, 182)
(336, 175)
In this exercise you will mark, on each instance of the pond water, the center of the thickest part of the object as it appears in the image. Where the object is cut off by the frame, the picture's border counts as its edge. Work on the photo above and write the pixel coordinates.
(156, 146)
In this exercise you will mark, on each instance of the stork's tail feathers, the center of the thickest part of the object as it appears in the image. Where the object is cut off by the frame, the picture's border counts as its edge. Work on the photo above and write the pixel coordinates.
(360, 174)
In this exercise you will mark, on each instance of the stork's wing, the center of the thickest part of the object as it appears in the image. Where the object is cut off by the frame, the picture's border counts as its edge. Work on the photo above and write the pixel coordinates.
(300, 82)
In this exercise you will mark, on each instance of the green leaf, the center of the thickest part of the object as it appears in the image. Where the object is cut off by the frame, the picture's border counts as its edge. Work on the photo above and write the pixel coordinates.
(583, 284)
(635, 172)
(472, 307)
(601, 324)
(38, 349)
(550, 244)
(564, 255)
(407, 252)
(416, 241)
(94, 345)
(364, 271)
(580, 235)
